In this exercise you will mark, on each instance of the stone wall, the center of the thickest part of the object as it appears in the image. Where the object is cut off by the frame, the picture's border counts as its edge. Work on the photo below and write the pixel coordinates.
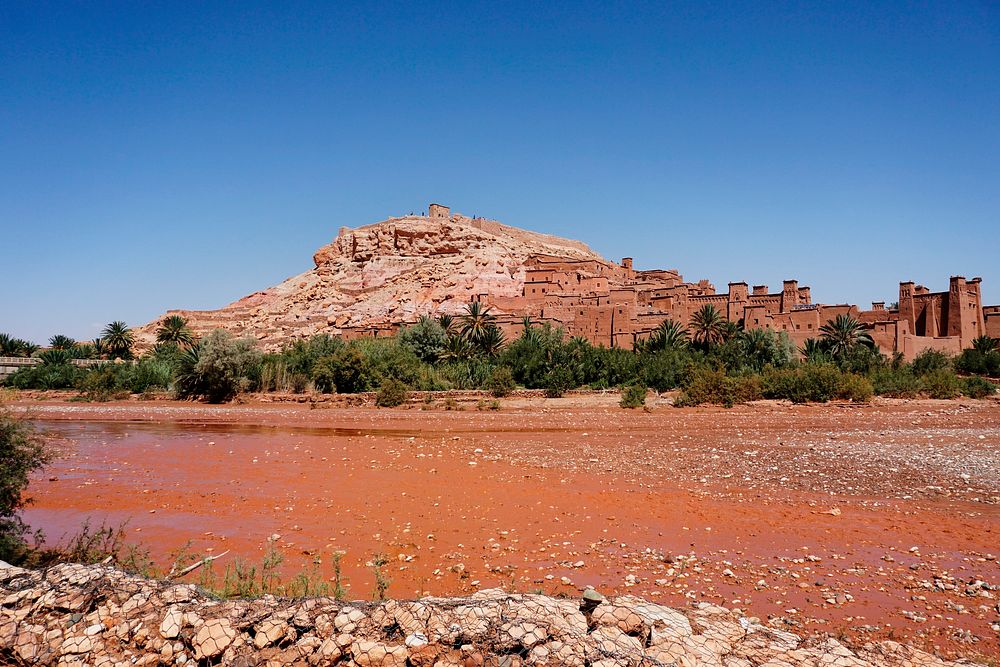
(76, 615)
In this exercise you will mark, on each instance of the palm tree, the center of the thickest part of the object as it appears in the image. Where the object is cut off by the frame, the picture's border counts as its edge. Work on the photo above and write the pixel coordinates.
(814, 350)
(492, 341)
(668, 335)
(448, 323)
(731, 330)
(708, 325)
(844, 333)
(15, 347)
(456, 348)
(174, 329)
(985, 344)
(60, 342)
(118, 339)
(7, 346)
(475, 321)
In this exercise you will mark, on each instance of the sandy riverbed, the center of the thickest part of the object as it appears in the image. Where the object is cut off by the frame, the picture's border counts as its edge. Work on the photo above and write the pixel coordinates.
(807, 515)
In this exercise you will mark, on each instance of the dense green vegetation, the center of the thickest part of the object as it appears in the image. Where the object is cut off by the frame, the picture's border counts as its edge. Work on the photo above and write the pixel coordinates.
(715, 362)
(22, 451)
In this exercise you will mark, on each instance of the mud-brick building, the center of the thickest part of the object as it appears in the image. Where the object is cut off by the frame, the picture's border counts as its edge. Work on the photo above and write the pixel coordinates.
(616, 305)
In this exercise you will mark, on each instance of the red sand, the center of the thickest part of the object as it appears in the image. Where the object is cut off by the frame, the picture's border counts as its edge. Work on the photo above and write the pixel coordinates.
(802, 513)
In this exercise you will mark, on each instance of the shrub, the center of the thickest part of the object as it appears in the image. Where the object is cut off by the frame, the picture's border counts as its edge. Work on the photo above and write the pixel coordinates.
(895, 382)
(103, 383)
(557, 382)
(45, 376)
(500, 382)
(633, 396)
(855, 388)
(705, 385)
(805, 383)
(665, 369)
(941, 383)
(391, 394)
(147, 374)
(22, 452)
(979, 362)
(218, 368)
(342, 371)
(426, 339)
(977, 387)
(929, 361)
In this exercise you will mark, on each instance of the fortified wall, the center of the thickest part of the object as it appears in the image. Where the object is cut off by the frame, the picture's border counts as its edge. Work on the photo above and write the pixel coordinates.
(616, 306)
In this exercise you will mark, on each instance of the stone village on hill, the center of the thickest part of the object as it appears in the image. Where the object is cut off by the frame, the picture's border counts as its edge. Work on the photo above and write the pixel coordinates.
(374, 279)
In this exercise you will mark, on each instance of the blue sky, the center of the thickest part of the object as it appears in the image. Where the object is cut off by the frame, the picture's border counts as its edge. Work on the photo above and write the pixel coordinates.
(161, 155)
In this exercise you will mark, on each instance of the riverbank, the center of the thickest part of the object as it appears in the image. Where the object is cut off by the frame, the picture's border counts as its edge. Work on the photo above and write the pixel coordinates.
(867, 522)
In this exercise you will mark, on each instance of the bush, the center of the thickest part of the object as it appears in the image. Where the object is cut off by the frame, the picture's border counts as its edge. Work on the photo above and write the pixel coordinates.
(103, 383)
(855, 388)
(342, 372)
(941, 383)
(978, 362)
(705, 385)
(45, 376)
(426, 339)
(500, 382)
(219, 368)
(977, 387)
(805, 383)
(391, 394)
(633, 396)
(929, 361)
(557, 382)
(895, 382)
(664, 370)
(22, 452)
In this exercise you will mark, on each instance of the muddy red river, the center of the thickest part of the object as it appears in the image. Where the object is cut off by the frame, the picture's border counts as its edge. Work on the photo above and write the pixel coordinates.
(863, 522)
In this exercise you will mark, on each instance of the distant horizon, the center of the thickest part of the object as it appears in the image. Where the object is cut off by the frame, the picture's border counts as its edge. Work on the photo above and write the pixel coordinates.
(164, 156)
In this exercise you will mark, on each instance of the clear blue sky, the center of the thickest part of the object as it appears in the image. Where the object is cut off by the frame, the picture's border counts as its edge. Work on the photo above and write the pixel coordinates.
(159, 155)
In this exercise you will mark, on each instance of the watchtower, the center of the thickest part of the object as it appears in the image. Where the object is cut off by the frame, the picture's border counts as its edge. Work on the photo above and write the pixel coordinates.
(438, 212)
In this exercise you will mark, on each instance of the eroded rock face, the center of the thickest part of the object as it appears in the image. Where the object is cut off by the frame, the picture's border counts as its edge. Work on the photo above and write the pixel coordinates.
(379, 275)
(95, 615)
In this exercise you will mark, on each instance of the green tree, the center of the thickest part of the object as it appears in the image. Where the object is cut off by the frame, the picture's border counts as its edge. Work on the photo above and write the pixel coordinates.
(218, 368)
(985, 344)
(492, 340)
(427, 338)
(118, 340)
(60, 342)
(476, 321)
(174, 329)
(16, 347)
(22, 452)
(708, 326)
(844, 333)
(667, 335)
(815, 351)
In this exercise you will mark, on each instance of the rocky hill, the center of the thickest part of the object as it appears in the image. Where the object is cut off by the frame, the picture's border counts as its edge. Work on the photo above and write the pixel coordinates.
(386, 273)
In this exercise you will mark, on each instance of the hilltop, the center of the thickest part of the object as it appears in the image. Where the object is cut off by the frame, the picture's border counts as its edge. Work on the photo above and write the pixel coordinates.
(379, 275)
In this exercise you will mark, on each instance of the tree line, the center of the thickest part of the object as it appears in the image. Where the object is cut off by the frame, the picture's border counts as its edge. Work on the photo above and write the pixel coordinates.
(712, 361)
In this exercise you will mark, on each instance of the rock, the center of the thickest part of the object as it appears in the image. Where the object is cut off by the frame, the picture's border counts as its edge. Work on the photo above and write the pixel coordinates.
(213, 638)
(490, 627)
(376, 654)
(170, 627)
(269, 632)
